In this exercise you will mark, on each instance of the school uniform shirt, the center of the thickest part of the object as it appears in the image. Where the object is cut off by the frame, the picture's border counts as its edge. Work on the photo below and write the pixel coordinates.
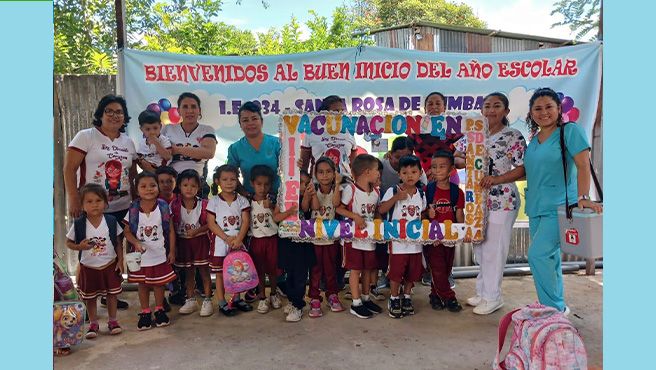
(107, 163)
(506, 150)
(409, 209)
(149, 152)
(262, 224)
(180, 138)
(544, 171)
(326, 211)
(441, 202)
(228, 218)
(103, 251)
(336, 147)
(150, 234)
(244, 156)
(364, 204)
(189, 220)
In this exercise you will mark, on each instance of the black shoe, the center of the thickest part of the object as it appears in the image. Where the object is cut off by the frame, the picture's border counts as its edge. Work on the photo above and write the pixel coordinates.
(121, 305)
(166, 305)
(394, 308)
(161, 319)
(251, 295)
(227, 310)
(177, 299)
(371, 306)
(436, 302)
(453, 305)
(145, 321)
(242, 306)
(406, 307)
(361, 311)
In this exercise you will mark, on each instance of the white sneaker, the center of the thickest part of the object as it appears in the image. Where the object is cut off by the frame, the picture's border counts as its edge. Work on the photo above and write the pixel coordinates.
(486, 308)
(288, 308)
(474, 301)
(190, 306)
(276, 303)
(207, 309)
(294, 315)
(567, 311)
(263, 306)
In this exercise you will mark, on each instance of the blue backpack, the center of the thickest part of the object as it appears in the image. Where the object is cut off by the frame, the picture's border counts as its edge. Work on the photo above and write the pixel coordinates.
(80, 228)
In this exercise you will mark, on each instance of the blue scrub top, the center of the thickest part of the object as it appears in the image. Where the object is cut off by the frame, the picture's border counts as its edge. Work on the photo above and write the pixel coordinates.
(545, 181)
(242, 155)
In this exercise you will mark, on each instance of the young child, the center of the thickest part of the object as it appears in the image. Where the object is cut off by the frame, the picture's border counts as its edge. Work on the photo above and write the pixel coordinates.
(101, 257)
(325, 197)
(154, 149)
(166, 179)
(296, 258)
(263, 243)
(149, 229)
(360, 204)
(228, 217)
(193, 245)
(443, 207)
(404, 202)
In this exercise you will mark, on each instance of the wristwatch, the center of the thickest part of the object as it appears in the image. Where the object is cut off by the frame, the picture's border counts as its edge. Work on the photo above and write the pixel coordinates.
(583, 197)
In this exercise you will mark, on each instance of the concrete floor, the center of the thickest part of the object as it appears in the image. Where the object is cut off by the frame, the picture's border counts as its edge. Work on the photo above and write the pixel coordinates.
(427, 340)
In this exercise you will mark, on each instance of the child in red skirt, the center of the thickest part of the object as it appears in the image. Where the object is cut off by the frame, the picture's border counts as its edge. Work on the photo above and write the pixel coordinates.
(325, 198)
(263, 243)
(192, 244)
(150, 231)
(101, 257)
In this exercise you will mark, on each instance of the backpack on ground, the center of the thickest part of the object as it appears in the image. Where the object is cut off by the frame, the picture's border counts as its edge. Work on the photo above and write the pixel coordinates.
(543, 338)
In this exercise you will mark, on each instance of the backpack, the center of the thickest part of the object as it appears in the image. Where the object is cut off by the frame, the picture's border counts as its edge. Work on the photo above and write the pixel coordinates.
(68, 310)
(133, 217)
(176, 209)
(543, 338)
(454, 194)
(80, 227)
(395, 189)
(239, 274)
(350, 203)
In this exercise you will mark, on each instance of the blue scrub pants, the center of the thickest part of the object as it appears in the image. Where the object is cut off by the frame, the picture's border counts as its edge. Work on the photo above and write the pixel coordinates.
(545, 260)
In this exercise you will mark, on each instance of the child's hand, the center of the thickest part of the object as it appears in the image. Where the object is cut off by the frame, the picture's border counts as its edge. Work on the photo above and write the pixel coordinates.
(359, 221)
(488, 181)
(402, 193)
(86, 244)
(431, 211)
(299, 163)
(150, 140)
(338, 179)
(139, 248)
(235, 244)
(171, 258)
(119, 266)
(229, 240)
(310, 191)
(266, 203)
(293, 209)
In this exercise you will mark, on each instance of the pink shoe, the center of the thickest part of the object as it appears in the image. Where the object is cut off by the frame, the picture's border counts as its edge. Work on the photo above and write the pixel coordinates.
(315, 308)
(335, 304)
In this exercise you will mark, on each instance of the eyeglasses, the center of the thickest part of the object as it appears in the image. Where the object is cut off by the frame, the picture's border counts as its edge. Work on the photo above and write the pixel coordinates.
(113, 113)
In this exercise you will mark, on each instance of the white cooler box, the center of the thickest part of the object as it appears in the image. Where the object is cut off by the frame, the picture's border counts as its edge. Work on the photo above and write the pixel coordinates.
(582, 236)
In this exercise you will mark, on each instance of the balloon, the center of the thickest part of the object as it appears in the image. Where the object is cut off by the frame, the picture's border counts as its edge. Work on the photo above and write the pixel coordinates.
(574, 114)
(174, 115)
(561, 96)
(567, 104)
(565, 117)
(164, 117)
(165, 104)
(153, 107)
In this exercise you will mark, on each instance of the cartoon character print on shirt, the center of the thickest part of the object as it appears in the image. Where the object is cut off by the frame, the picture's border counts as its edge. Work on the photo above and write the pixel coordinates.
(325, 211)
(180, 157)
(231, 222)
(99, 246)
(367, 211)
(261, 220)
(113, 170)
(148, 233)
(410, 211)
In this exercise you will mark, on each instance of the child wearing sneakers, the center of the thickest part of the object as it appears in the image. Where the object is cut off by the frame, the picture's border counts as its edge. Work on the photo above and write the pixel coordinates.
(325, 197)
(360, 204)
(154, 149)
(440, 195)
(404, 202)
(149, 229)
(193, 245)
(95, 236)
(263, 242)
(228, 217)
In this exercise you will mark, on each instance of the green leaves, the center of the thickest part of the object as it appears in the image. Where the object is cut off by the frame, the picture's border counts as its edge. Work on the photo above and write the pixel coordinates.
(582, 16)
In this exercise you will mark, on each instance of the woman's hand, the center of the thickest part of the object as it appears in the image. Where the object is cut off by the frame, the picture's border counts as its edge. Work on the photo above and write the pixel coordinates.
(489, 181)
(585, 203)
(74, 206)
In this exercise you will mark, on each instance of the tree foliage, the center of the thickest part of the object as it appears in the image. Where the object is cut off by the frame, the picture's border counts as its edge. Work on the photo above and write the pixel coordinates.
(85, 32)
(582, 16)
(386, 13)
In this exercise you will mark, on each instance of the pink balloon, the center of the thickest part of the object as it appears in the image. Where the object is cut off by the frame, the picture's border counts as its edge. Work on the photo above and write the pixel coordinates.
(565, 117)
(174, 115)
(574, 114)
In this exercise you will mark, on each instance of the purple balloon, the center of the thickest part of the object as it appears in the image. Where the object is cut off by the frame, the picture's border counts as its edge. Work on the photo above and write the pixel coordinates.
(165, 104)
(561, 96)
(567, 104)
(153, 107)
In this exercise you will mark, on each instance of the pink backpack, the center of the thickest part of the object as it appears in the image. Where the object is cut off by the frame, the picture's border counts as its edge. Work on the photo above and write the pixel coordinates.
(543, 338)
(239, 273)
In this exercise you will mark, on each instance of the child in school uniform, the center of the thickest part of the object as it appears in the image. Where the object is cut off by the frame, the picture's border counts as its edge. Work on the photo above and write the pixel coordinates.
(154, 148)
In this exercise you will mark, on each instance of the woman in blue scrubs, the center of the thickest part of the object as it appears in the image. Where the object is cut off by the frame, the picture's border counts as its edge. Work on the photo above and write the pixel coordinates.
(546, 189)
